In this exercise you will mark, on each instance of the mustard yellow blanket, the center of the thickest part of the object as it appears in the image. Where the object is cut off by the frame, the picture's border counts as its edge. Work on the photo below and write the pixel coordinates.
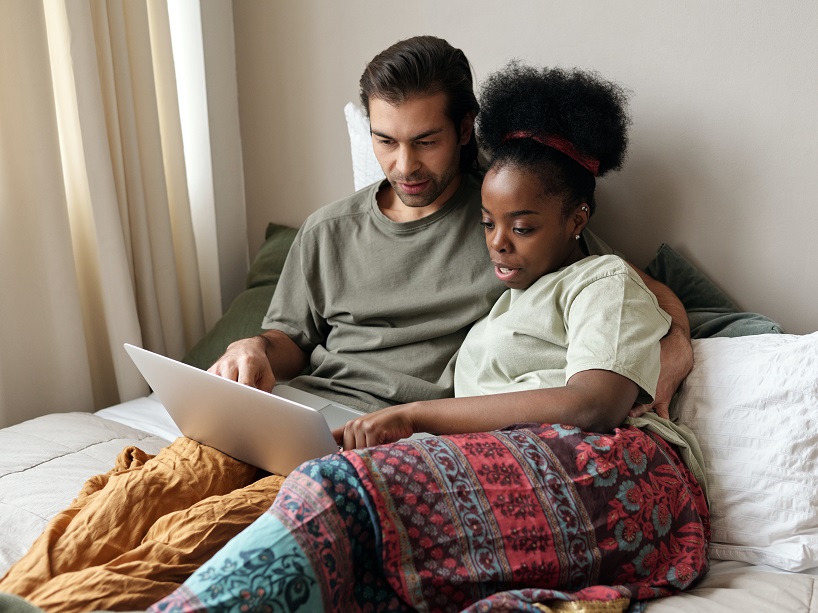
(134, 534)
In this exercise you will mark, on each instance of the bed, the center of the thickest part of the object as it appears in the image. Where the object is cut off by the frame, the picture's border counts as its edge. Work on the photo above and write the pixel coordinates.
(752, 400)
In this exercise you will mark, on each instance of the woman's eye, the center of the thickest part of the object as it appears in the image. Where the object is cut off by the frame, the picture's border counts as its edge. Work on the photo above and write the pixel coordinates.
(488, 225)
(522, 231)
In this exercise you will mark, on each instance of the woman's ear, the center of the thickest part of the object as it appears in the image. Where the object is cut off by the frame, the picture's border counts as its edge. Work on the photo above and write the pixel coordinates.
(581, 216)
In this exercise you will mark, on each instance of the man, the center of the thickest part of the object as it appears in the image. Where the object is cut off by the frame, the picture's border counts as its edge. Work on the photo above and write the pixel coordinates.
(380, 288)
(376, 297)
(377, 294)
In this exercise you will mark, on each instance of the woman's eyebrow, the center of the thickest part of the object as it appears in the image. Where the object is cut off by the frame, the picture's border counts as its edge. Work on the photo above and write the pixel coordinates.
(522, 212)
(519, 213)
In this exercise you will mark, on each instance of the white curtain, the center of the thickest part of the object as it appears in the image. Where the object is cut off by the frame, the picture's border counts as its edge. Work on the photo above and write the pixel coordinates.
(96, 240)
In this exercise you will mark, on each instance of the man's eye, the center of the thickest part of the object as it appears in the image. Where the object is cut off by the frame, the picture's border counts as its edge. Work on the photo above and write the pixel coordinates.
(424, 143)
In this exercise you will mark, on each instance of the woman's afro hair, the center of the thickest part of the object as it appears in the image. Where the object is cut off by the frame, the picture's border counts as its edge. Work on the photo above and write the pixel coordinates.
(577, 105)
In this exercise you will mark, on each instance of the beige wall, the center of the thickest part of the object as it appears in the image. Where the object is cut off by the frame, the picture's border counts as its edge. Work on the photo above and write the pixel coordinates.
(724, 144)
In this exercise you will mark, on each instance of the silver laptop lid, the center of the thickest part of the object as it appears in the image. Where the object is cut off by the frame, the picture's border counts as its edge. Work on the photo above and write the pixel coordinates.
(271, 432)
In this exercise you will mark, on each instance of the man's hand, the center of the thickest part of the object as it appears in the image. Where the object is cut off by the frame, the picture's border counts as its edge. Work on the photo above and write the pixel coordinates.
(383, 426)
(676, 362)
(246, 361)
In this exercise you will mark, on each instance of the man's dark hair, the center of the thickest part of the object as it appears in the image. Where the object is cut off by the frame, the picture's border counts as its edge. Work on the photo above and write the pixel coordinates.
(424, 66)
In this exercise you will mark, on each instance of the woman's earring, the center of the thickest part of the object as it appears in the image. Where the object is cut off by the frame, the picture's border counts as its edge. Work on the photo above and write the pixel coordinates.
(584, 209)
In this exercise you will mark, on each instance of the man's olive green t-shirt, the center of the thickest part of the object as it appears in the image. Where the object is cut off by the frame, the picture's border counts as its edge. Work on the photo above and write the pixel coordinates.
(382, 307)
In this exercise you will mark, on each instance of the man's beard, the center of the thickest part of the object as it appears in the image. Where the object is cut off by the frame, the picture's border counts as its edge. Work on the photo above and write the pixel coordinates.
(437, 185)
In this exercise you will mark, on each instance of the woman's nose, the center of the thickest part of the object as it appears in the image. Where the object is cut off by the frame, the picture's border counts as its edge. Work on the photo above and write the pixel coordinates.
(498, 242)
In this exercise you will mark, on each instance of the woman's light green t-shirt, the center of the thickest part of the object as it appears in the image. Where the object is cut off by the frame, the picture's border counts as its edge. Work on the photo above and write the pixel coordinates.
(595, 314)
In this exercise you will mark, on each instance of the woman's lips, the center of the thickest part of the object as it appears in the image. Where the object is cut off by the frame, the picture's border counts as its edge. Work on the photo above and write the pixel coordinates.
(505, 274)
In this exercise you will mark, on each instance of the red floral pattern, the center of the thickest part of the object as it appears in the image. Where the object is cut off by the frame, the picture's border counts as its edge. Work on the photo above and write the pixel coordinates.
(497, 521)
(535, 513)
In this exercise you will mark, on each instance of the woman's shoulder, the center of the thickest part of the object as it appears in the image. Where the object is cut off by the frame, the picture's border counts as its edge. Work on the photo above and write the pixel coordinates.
(565, 284)
(597, 272)
(599, 266)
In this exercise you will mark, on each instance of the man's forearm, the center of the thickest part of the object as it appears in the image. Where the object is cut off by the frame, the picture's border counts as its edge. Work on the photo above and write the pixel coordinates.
(676, 348)
(676, 345)
(669, 302)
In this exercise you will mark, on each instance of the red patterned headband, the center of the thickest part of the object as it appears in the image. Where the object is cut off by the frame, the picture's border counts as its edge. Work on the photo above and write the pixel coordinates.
(562, 145)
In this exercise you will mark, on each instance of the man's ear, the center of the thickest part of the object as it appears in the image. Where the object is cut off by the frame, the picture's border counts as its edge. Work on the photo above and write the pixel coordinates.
(467, 127)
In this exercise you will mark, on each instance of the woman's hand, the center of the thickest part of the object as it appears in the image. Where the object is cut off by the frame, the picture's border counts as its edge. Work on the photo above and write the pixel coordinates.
(383, 426)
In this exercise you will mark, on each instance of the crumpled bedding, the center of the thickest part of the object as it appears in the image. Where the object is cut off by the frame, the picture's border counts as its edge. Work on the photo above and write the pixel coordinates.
(137, 532)
(44, 463)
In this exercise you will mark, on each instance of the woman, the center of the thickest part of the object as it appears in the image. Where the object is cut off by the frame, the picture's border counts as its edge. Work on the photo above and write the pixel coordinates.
(544, 498)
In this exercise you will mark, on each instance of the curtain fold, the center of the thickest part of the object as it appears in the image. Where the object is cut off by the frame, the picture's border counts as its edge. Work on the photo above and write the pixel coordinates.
(42, 345)
(96, 238)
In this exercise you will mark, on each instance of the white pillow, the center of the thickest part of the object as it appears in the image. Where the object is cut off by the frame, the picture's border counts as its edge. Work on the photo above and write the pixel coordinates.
(753, 404)
(365, 167)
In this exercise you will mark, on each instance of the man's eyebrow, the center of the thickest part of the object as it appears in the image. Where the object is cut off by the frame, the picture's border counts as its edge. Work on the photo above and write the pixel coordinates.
(519, 213)
(420, 136)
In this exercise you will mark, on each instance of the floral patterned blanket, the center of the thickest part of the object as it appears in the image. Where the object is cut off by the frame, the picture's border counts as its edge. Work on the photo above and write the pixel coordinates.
(526, 519)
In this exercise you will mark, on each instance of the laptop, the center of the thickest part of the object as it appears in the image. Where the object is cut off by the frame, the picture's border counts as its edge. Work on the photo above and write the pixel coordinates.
(276, 432)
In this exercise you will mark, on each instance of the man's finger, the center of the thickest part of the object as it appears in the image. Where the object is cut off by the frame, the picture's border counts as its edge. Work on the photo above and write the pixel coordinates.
(662, 410)
(639, 409)
(247, 378)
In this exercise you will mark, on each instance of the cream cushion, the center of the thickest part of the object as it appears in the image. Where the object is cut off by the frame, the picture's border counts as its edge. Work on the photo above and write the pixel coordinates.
(752, 402)
(365, 167)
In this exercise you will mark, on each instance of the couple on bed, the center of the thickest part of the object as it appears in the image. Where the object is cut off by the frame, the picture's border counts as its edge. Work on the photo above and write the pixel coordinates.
(542, 487)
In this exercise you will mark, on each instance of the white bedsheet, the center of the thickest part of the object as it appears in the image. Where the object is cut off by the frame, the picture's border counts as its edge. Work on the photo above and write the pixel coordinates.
(145, 413)
(738, 587)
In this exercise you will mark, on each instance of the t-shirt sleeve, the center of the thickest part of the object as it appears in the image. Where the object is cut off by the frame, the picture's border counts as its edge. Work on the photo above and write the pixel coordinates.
(292, 309)
(614, 323)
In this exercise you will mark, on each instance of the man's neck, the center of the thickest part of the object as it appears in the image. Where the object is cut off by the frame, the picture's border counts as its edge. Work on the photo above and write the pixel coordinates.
(393, 207)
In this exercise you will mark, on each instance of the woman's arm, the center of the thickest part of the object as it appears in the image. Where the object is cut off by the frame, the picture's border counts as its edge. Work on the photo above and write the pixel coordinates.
(594, 400)
(676, 357)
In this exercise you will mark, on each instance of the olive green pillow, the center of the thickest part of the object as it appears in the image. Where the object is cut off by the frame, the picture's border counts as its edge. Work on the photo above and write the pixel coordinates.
(243, 318)
(710, 311)
(266, 267)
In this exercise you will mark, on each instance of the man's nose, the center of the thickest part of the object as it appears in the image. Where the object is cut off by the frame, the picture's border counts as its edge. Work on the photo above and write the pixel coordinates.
(407, 161)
